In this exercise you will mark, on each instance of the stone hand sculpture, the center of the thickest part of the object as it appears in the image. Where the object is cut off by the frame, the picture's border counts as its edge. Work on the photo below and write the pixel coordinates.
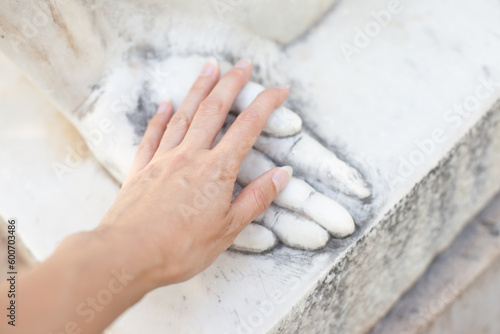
(110, 64)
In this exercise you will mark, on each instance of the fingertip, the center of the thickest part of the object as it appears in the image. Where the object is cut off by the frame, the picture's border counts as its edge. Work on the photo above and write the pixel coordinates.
(274, 97)
(284, 90)
(211, 67)
(283, 87)
(165, 108)
(213, 61)
(244, 66)
(243, 63)
(281, 177)
(277, 94)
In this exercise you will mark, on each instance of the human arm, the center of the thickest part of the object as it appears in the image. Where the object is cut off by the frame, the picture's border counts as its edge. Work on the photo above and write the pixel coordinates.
(172, 218)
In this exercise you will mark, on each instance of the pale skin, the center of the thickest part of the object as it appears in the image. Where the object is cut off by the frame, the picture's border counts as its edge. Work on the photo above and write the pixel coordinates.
(172, 218)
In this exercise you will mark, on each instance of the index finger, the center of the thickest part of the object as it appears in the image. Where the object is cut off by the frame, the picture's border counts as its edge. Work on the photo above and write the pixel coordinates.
(247, 127)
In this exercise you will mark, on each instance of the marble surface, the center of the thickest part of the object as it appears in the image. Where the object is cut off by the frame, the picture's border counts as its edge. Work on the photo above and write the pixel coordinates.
(379, 111)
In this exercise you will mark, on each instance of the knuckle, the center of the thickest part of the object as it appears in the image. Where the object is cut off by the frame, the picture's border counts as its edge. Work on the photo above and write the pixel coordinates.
(234, 227)
(212, 106)
(183, 154)
(154, 122)
(179, 159)
(228, 173)
(179, 120)
(151, 171)
(199, 88)
(251, 115)
(228, 163)
(259, 198)
(147, 146)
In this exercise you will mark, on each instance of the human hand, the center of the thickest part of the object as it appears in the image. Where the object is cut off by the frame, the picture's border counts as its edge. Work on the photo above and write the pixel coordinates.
(302, 217)
(176, 202)
(296, 219)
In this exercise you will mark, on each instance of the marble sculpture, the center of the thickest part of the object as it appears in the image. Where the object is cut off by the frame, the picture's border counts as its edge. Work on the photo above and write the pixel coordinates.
(108, 65)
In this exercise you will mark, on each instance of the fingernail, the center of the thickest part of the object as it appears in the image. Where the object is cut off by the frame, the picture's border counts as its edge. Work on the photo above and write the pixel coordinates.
(283, 87)
(243, 63)
(281, 177)
(163, 108)
(209, 68)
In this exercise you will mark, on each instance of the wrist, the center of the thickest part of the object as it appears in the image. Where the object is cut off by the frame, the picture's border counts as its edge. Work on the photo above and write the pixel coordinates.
(86, 284)
(139, 251)
(109, 257)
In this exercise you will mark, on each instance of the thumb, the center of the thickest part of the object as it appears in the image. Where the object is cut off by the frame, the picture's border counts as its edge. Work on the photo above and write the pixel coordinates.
(258, 195)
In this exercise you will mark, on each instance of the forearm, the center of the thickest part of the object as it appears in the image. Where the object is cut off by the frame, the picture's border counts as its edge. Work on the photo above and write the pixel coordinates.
(158, 232)
(81, 288)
